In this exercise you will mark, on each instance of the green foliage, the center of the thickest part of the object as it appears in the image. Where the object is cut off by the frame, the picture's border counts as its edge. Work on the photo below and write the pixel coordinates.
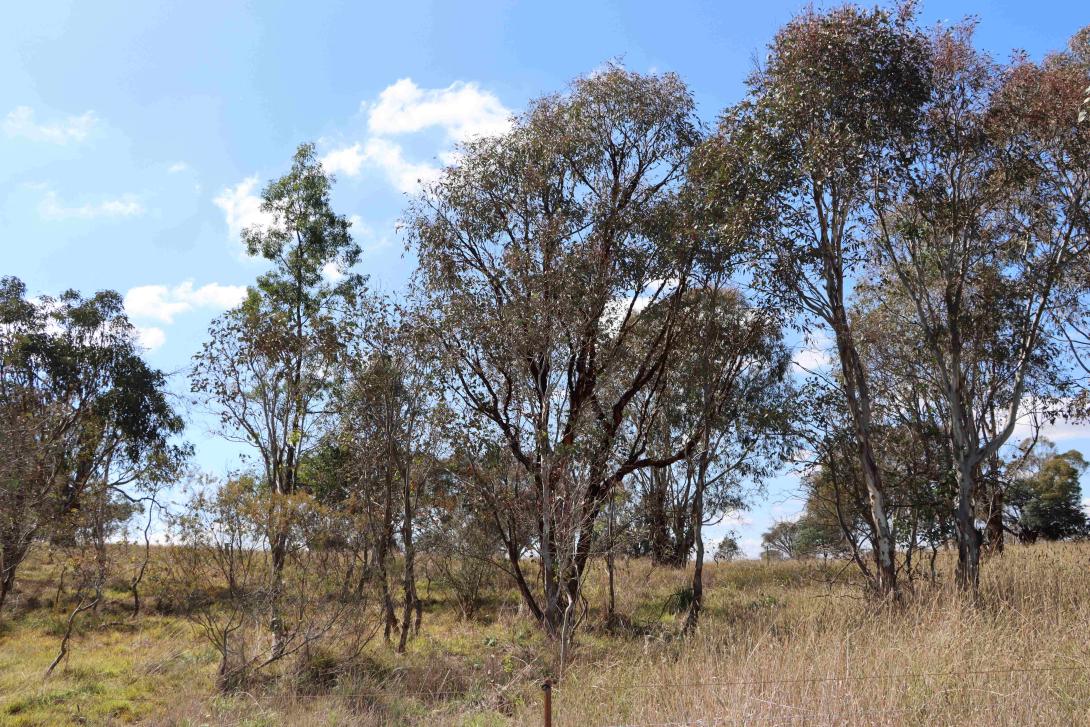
(727, 549)
(87, 431)
(1048, 502)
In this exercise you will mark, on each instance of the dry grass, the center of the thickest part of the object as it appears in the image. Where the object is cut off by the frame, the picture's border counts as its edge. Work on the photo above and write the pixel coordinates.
(782, 643)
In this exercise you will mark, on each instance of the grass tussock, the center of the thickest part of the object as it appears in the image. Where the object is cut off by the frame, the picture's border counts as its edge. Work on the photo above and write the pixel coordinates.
(780, 643)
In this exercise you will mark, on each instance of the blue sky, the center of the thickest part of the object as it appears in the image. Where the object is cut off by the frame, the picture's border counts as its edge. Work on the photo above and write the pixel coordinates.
(134, 137)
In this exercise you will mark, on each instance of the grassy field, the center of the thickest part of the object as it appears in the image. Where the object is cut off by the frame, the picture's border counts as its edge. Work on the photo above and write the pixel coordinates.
(781, 643)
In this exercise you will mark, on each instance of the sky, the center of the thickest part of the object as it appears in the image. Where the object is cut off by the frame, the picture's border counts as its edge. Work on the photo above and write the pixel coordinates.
(135, 137)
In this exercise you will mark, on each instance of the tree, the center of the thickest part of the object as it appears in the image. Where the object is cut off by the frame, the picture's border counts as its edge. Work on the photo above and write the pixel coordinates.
(221, 575)
(782, 541)
(1046, 497)
(392, 417)
(731, 379)
(981, 227)
(537, 250)
(727, 549)
(791, 165)
(728, 383)
(86, 426)
(265, 369)
(460, 549)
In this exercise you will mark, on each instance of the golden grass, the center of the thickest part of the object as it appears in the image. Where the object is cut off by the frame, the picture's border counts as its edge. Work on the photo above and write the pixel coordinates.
(781, 643)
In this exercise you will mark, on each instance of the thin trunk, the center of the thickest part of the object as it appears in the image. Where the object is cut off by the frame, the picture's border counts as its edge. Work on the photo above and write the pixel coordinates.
(278, 553)
(656, 516)
(409, 582)
(138, 577)
(553, 614)
(698, 537)
(857, 395)
(520, 580)
(885, 566)
(80, 608)
(387, 603)
(612, 604)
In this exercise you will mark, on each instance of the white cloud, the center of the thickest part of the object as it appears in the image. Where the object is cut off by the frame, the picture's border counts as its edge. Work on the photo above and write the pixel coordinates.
(51, 208)
(365, 236)
(404, 175)
(814, 355)
(344, 161)
(21, 123)
(151, 337)
(751, 547)
(1061, 432)
(242, 207)
(332, 273)
(737, 519)
(359, 227)
(462, 110)
(177, 167)
(162, 303)
(385, 156)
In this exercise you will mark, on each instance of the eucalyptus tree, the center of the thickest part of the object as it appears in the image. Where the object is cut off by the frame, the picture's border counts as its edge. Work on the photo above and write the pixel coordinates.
(86, 426)
(391, 431)
(1046, 497)
(730, 384)
(981, 231)
(791, 167)
(267, 367)
(537, 251)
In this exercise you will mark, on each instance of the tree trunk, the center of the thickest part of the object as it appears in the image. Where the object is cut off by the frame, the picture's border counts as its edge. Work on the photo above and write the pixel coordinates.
(7, 582)
(409, 582)
(698, 537)
(656, 517)
(520, 579)
(612, 603)
(278, 552)
(969, 537)
(885, 567)
(553, 614)
(857, 394)
(995, 518)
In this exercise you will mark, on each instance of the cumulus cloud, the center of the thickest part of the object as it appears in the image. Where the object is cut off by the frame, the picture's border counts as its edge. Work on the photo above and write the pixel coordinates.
(385, 156)
(348, 160)
(51, 208)
(177, 167)
(242, 207)
(163, 303)
(21, 122)
(462, 110)
(151, 337)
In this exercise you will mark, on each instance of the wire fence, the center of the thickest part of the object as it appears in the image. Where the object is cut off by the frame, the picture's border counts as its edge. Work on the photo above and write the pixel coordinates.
(802, 714)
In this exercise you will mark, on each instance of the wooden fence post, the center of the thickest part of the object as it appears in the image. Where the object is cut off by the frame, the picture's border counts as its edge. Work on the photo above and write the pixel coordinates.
(547, 687)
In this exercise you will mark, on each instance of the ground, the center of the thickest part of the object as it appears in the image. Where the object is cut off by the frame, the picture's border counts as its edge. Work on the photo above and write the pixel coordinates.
(780, 643)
